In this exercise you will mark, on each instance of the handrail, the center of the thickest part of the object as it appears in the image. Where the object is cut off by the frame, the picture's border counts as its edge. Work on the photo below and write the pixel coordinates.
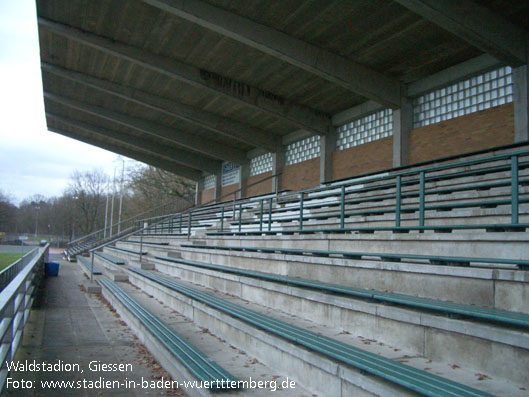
(418, 171)
(128, 220)
(213, 202)
(340, 189)
(240, 189)
(15, 303)
(94, 249)
(161, 219)
(8, 273)
(398, 183)
(435, 161)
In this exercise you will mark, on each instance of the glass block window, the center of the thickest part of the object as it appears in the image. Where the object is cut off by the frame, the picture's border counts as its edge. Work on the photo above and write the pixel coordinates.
(209, 182)
(369, 128)
(261, 164)
(477, 93)
(303, 150)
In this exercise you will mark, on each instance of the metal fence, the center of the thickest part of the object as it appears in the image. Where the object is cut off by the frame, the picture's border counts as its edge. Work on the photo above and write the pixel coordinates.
(414, 185)
(117, 230)
(15, 303)
(9, 273)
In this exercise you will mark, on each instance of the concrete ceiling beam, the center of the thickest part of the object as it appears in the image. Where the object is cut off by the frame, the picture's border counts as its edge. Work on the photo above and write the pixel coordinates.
(169, 153)
(281, 108)
(327, 65)
(210, 121)
(155, 130)
(477, 25)
(166, 165)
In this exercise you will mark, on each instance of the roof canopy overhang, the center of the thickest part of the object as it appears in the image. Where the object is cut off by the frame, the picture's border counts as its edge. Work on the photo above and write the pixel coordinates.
(187, 85)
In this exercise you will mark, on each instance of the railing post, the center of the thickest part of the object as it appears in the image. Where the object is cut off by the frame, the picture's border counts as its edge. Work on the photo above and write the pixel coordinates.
(261, 217)
(240, 217)
(514, 190)
(222, 219)
(189, 225)
(270, 213)
(9, 335)
(397, 200)
(180, 227)
(301, 197)
(92, 267)
(141, 245)
(342, 208)
(421, 199)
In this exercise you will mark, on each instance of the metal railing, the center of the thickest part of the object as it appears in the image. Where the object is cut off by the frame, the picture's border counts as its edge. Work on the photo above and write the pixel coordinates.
(15, 303)
(419, 184)
(7, 274)
(183, 220)
(87, 242)
(415, 184)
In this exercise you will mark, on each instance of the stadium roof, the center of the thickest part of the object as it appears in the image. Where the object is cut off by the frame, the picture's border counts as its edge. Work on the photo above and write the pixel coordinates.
(185, 85)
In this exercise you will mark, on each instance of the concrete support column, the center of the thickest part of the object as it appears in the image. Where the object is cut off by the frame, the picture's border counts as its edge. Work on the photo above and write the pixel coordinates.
(199, 188)
(243, 179)
(218, 185)
(278, 162)
(402, 125)
(521, 103)
(327, 148)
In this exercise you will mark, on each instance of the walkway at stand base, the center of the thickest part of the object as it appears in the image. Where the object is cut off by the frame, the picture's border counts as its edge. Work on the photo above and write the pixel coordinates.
(74, 327)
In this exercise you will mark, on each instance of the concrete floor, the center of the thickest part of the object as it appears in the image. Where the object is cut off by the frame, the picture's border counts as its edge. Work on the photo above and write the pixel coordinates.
(70, 326)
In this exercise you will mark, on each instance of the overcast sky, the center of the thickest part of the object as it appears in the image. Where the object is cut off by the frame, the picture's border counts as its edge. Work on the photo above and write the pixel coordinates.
(32, 159)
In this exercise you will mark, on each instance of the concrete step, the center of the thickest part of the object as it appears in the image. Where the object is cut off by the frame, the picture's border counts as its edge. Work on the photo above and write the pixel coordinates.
(489, 287)
(314, 371)
(507, 245)
(418, 331)
(241, 364)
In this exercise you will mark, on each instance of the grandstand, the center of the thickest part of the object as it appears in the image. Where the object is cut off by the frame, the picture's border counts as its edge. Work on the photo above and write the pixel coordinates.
(362, 172)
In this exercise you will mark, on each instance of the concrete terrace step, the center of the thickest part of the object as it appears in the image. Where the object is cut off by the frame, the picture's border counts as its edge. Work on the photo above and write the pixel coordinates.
(419, 332)
(111, 267)
(485, 314)
(87, 264)
(243, 366)
(442, 228)
(316, 371)
(486, 213)
(496, 288)
(109, 258)
(198, 364)
(392, 257)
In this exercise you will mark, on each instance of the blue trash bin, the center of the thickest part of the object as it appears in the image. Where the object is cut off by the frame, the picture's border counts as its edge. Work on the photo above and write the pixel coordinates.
(52, 269)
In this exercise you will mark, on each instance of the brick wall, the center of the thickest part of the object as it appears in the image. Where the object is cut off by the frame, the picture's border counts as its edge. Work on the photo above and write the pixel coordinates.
(207, 195)
(464, 134)
(261, 188)
(363, 159)
(472, 132)
(229, 189)
(301, 176)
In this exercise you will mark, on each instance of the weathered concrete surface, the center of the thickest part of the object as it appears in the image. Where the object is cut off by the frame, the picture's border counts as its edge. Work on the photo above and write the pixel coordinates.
(239, 363)
(69, 325)
(303, 365)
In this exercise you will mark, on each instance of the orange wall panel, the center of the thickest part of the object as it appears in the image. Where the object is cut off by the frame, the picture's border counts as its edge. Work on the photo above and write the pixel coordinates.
(363, 159)
(260, 188)
(207, 195)
(227, 190)
(476, 131)
(300, 176)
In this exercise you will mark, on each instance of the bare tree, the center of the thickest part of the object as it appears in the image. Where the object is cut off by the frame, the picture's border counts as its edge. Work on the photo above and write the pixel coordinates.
(151, 187)
(7, 214)
(87, 189)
